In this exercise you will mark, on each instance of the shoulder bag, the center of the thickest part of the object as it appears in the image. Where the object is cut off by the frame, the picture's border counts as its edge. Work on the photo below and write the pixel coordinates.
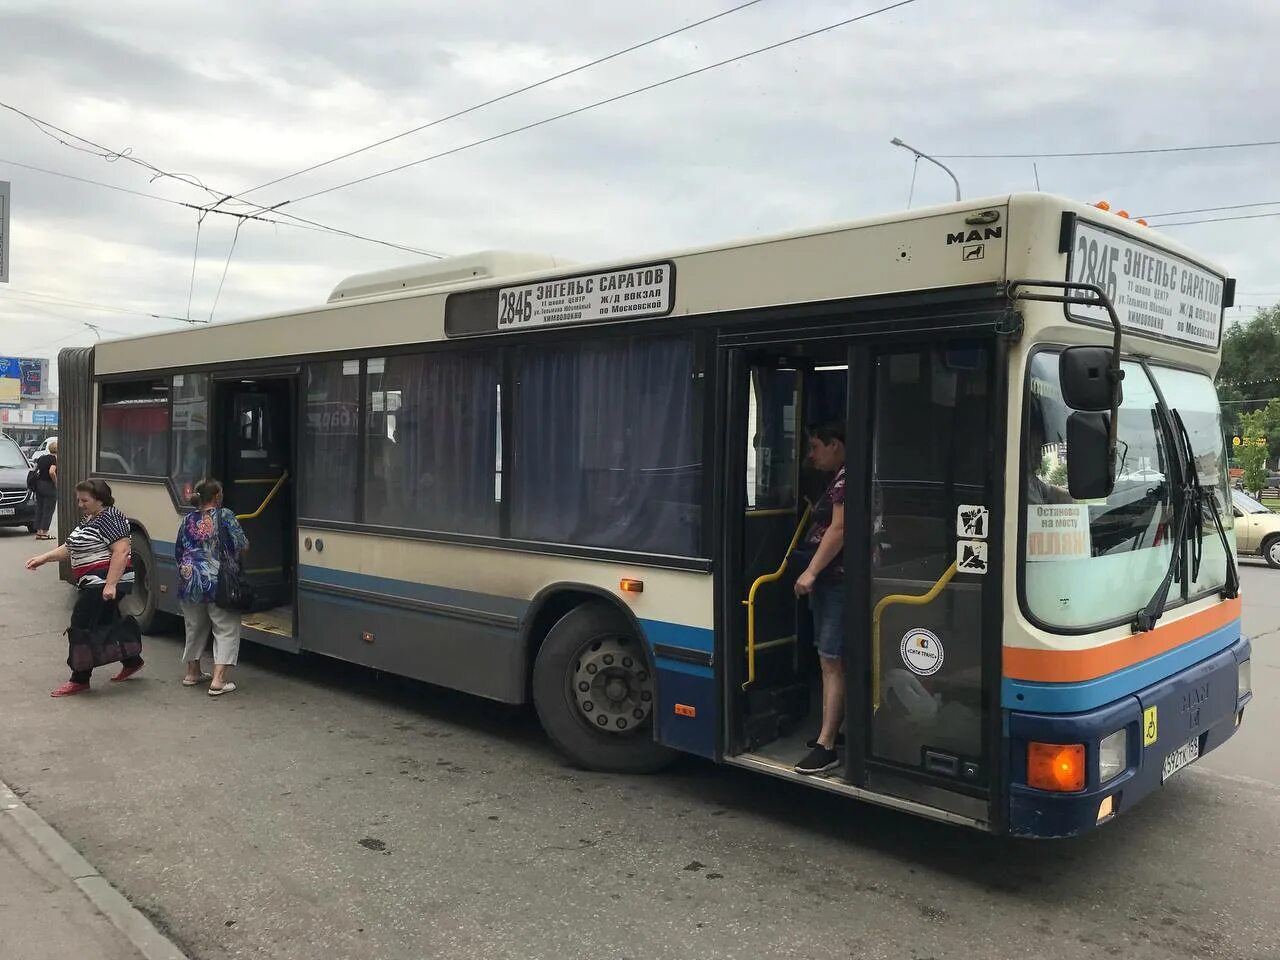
(233, 591)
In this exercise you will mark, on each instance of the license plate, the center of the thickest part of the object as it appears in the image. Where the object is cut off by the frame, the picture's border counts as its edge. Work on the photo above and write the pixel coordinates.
(7, 511)
(1175, 761)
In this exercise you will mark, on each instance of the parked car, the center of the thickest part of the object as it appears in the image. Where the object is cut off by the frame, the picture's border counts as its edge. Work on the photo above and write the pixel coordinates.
(17, 503)
(1257, 528)
(43, 448)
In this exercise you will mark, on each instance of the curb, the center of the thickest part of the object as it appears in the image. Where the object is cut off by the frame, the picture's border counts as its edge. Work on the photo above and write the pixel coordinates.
(109, 901)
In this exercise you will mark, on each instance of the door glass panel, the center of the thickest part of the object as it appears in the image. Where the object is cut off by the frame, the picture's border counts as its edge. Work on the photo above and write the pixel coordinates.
(932, 410)
(189, 453)
(771, 438)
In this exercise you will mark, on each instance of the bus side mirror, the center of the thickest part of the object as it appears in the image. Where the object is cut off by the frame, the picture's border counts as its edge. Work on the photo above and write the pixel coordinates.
(1085, 375)
(1090, 461)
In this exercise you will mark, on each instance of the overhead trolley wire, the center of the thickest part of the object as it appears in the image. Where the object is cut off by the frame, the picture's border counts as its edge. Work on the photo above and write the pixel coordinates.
(112, 156)
(592, 106)
(303, 224)
(1106, 153)
(506, 96)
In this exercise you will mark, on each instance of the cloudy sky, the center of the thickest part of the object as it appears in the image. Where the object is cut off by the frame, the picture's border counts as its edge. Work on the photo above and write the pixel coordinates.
(241, 93)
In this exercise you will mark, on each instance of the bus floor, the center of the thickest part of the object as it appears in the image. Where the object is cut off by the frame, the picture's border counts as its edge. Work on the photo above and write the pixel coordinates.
(790, 749)
(277, 620)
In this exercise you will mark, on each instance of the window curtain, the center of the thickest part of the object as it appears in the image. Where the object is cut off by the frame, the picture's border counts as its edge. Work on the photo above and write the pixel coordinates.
(607, 439)
(432, 443)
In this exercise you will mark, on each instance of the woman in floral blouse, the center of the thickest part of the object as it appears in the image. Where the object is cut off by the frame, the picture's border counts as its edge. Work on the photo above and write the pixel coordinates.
(209, 536)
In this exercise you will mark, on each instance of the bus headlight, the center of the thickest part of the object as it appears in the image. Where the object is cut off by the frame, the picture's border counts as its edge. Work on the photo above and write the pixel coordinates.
(1244, 680)
(1113, 755)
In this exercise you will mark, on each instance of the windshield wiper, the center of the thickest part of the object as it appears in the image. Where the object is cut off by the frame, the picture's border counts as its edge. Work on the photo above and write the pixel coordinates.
(1146, 618)
(1191, 500)
(1209, 498)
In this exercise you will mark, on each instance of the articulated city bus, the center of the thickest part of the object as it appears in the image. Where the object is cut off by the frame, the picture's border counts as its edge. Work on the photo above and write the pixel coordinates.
(582, 485)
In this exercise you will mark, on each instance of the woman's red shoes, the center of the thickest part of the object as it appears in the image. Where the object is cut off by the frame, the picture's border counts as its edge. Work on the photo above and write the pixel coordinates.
(70, 688)
(127, 672)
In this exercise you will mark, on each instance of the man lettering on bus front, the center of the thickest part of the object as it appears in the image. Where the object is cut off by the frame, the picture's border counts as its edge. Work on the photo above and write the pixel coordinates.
(823, 582)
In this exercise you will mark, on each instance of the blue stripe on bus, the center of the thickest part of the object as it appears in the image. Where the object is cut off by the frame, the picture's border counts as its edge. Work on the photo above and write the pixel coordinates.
(679, 666)
(1029, 697)
(679, 635)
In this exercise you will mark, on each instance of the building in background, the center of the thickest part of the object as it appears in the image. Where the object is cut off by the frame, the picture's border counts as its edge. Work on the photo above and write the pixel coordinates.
(28, 406)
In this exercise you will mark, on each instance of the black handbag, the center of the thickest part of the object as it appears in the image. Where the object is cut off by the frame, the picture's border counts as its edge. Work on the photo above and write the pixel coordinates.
(233, 591)
(112, 641)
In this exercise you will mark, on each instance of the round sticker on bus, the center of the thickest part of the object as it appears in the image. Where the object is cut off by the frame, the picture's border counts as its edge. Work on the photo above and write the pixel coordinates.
(921, 651)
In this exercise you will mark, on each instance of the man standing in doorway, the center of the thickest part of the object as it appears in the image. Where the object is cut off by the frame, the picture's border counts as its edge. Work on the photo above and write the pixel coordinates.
(823, 582)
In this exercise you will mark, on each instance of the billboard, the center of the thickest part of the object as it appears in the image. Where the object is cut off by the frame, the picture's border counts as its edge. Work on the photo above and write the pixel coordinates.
(22, 378)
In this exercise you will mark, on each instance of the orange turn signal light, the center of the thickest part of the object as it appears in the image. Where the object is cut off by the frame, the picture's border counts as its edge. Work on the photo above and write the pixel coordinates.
(1123, 213)
(627, 585)
(1102, 205)
(1055, 766)
(1143, 222)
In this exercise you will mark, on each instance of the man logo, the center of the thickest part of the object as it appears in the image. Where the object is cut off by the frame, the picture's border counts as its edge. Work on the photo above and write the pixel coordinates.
(986, 233)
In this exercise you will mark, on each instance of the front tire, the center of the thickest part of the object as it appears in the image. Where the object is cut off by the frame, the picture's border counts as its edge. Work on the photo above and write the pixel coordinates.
(593, 688)
(1271, 551)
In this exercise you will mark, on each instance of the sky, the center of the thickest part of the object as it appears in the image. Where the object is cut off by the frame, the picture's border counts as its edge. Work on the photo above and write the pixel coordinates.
(790, 138)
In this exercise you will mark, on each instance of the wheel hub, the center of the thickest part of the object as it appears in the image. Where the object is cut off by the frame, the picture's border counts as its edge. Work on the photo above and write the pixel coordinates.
(612, 685)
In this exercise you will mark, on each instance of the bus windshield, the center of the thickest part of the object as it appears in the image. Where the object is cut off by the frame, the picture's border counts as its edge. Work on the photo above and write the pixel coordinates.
(1087, 564)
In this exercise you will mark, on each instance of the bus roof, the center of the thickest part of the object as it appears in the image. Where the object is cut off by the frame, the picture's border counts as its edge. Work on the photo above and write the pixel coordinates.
(890, 253)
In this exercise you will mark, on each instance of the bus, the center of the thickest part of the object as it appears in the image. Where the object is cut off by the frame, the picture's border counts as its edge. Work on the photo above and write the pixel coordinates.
(581, 486)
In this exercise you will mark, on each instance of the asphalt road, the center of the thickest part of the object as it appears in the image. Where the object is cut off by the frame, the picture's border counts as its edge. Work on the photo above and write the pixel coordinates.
(321, 811)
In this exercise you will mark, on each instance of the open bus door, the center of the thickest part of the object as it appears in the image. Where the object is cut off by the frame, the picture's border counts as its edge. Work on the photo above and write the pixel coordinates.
(253, 455)
(921, 566)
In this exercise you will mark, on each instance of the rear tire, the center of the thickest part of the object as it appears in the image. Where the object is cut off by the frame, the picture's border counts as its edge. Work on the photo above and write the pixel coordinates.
(608, 726)
(1271, 551)
(140, 602)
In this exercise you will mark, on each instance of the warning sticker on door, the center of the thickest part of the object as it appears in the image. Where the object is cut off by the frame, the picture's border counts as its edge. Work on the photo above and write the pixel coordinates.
(971, 521)
(921, 651)
(971, 556)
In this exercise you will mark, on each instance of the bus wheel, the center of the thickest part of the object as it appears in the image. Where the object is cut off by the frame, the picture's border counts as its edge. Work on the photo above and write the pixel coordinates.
(1271, 551)
(594, 692)
(140, 602)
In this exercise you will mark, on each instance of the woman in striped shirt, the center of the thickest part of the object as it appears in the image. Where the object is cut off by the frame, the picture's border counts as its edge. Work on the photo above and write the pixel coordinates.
(98, 549)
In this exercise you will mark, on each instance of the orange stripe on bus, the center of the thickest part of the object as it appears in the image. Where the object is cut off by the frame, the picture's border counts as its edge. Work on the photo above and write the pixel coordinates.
(1072, 666)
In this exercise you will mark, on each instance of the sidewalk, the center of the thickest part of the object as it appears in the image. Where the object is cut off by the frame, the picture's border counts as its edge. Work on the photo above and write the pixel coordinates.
(55, 906)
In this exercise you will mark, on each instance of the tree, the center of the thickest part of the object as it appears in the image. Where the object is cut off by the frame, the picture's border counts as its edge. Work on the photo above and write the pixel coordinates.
(1058, 476)
(1253, 458)
(1250, 370)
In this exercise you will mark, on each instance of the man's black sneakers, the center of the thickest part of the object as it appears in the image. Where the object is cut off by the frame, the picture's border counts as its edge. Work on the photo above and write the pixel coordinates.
(818, 760)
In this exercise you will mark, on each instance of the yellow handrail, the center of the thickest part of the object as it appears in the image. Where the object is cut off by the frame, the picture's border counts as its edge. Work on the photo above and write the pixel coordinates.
(270, 496)
(750, 602)
(893, 600)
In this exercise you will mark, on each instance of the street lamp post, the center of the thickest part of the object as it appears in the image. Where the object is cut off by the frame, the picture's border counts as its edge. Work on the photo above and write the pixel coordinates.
(906, 146)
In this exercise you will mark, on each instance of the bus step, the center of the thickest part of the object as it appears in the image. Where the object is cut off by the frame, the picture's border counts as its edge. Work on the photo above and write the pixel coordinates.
(773, 712)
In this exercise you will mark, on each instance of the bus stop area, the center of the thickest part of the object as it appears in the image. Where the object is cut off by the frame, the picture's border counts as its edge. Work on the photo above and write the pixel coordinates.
(328, 811)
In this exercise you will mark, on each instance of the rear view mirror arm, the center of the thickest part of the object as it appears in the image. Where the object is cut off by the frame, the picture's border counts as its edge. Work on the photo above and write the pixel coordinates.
(1087, 295)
